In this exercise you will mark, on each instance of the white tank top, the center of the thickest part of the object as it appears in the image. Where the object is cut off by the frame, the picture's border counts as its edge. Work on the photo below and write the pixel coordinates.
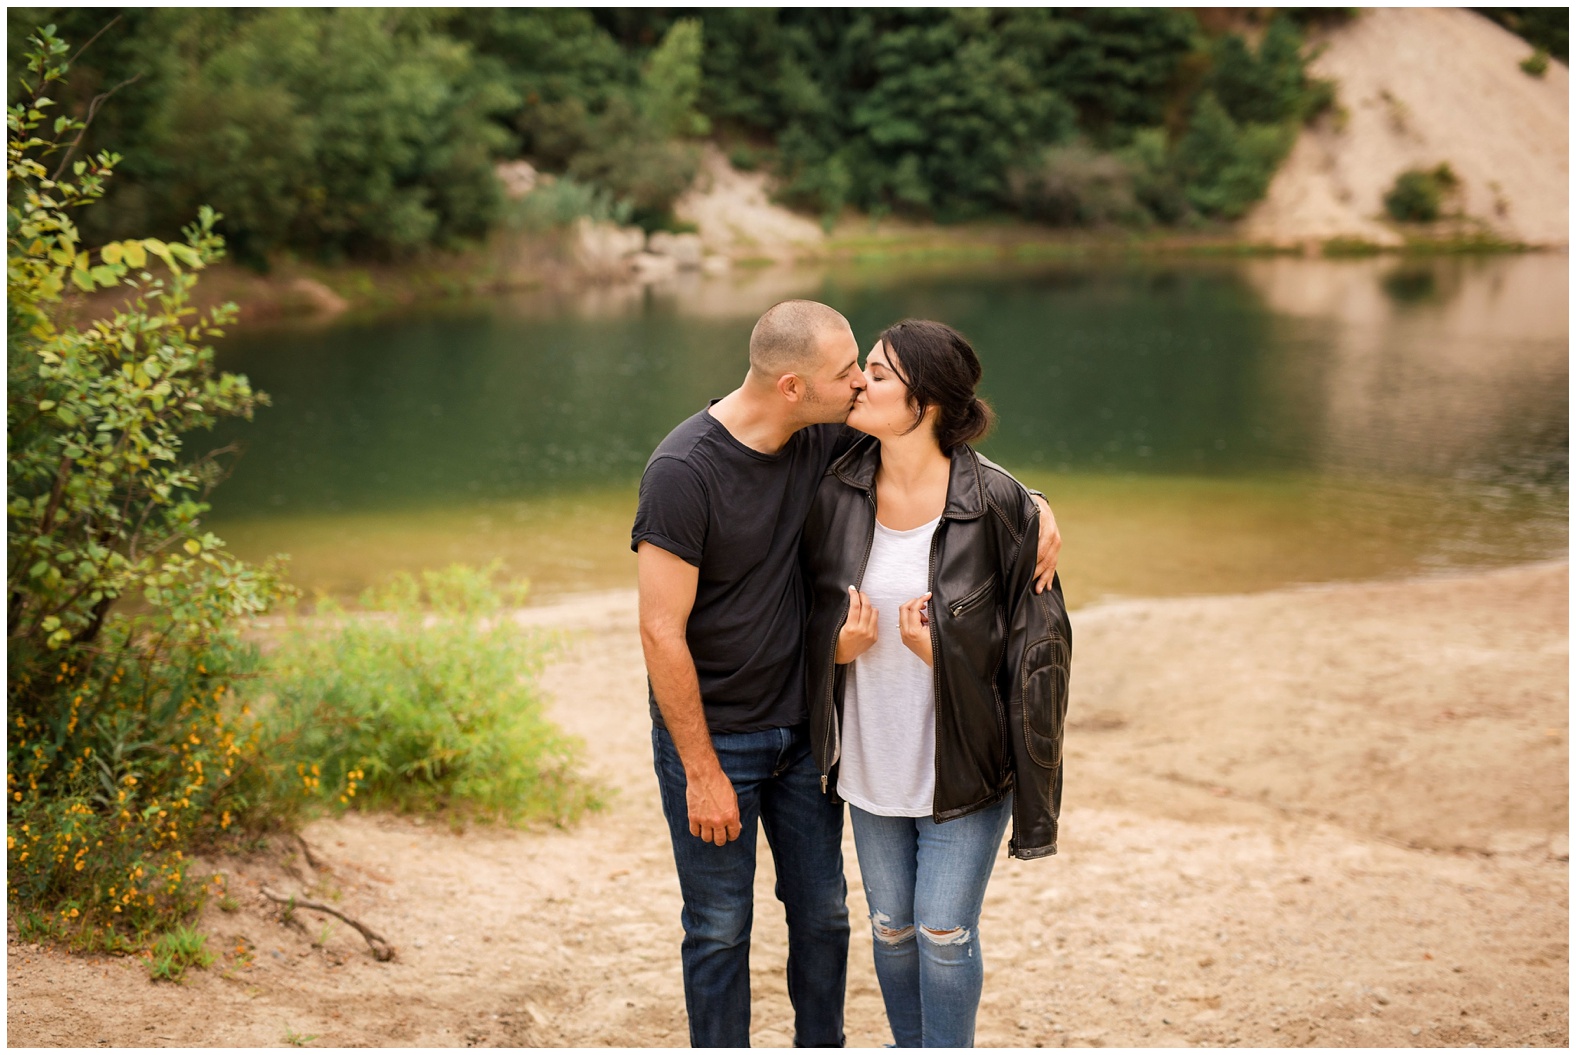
(888, 764)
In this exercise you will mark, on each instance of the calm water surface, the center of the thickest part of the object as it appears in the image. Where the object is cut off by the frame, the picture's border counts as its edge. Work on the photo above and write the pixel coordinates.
(1199, 427)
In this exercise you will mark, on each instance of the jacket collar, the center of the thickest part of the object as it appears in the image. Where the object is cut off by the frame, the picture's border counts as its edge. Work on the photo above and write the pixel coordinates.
(965, 489)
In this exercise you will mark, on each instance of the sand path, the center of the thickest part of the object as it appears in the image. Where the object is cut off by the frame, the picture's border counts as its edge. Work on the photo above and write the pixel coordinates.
(1330, 816)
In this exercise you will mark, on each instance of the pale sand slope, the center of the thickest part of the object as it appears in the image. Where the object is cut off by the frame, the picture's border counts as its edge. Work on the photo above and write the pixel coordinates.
(1331, 816)
(1420, 86)
(734, 214)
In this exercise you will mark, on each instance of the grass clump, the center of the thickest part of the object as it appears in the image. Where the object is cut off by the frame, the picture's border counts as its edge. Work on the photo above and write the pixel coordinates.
(426, 701)
(175, 951)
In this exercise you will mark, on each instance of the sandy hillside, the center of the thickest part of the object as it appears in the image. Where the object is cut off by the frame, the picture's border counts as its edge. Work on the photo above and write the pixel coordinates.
(734, 214)
(1419, 86)
(1331, 816)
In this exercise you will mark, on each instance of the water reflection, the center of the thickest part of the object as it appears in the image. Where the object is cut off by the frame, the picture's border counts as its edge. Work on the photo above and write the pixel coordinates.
(1450, 368)
(1225, 413)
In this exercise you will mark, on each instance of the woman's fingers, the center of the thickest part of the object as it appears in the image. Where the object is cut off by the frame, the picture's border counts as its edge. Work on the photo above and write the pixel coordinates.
(861, 614)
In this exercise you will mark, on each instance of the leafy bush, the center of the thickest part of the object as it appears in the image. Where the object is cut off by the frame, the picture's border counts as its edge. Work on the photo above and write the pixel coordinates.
(123, 737)
(1417, 194)
(1157, 186)
(619, 154)
(1076, 185)
(1536, 64)
(425, 702)
(560, 202)
(744, 158)
(111, 788)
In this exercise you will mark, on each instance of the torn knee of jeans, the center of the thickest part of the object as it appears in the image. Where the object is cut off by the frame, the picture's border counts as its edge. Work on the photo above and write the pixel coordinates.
(886, 934)
(946, 935)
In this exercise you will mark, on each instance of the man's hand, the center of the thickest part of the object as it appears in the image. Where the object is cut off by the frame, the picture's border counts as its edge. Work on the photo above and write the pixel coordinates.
(859, 629)
(1050, 546)
(713, 806)
(915, 627)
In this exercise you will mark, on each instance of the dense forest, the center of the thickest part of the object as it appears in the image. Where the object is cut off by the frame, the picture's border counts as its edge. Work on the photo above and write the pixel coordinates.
(373, 133)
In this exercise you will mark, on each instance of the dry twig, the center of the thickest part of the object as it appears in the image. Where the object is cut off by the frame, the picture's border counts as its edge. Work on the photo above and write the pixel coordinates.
(381, 949)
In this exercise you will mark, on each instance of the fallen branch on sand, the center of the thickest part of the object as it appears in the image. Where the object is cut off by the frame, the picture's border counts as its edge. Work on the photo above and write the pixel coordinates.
(381, 949)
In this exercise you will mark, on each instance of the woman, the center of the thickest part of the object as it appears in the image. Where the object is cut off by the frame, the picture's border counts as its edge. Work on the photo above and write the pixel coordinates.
(938, 677)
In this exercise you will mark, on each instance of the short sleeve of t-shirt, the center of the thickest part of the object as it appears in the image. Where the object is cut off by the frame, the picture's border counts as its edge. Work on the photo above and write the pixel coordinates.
(673, 511)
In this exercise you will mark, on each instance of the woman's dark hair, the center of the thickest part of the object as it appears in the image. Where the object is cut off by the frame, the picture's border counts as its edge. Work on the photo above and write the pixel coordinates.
(940, 370)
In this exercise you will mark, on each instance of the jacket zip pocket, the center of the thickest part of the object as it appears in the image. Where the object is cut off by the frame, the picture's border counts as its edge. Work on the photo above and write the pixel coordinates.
(957, 608)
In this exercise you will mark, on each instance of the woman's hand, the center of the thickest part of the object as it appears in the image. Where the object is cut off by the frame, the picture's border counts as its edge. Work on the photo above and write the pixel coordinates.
(914, 622)
(859, 630)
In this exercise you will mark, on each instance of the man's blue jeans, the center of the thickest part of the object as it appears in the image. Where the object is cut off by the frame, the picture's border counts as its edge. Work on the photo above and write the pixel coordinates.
(925, 883)
(777, 782)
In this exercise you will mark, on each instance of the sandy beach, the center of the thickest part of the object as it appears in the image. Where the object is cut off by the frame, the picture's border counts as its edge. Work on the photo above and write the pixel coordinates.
(1327, 816)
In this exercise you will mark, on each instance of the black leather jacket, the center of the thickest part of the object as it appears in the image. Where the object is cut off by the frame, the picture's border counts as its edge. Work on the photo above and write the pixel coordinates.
(1001, 651)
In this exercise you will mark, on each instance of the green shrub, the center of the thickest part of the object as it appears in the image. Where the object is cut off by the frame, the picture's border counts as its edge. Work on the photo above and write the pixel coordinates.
(425, 701)
(1157, 187)
(1076, 185)
(744, 158)
(1536, 64)
(122, 650)
(560, 202)
(1418, 194)
(109, 794)
(620, 153)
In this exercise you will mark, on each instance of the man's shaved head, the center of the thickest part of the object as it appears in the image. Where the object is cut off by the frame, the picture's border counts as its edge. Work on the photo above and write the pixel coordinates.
(788, 337)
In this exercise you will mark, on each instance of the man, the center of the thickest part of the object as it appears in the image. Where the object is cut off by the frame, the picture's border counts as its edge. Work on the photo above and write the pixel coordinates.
(722, 503)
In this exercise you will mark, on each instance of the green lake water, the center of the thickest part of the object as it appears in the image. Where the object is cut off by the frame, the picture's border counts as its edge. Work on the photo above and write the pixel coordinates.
(1199, 426)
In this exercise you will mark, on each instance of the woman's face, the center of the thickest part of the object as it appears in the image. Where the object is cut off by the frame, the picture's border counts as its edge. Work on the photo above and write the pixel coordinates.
(882, 409)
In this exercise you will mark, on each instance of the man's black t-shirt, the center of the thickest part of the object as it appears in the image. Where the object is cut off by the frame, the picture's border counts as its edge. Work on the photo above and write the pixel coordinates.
(736, 514)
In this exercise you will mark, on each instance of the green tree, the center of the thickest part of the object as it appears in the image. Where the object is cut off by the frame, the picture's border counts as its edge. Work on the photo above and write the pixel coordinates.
(1224, 166)
(670, 82)
(1269, 86)
(1548, 28)
(349, 130)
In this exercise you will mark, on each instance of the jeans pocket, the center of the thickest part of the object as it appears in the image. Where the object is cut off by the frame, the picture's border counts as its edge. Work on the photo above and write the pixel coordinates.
(1046, 669)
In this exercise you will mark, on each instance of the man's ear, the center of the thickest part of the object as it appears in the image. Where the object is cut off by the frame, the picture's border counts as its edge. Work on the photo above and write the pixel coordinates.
(791, 387)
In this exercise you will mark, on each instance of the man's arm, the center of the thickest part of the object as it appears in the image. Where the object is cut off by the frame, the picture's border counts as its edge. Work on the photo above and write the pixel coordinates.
(1050, 546)
(667, 593)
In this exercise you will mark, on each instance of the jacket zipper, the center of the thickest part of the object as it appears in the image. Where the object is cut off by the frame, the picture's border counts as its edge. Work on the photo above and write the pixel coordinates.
(831, 664)
(935, 673)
